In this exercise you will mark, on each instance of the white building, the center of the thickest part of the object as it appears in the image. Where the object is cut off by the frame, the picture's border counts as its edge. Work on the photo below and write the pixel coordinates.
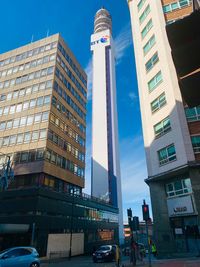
(168, 127)
(106, 179)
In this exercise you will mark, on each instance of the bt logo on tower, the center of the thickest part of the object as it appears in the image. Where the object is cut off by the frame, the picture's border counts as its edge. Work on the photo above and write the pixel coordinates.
(103, 39)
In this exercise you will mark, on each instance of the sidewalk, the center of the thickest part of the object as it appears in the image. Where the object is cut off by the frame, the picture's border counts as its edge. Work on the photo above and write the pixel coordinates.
(193, 262)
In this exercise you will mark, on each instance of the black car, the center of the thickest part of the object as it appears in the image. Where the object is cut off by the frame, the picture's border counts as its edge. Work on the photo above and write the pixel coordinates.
(105, 253)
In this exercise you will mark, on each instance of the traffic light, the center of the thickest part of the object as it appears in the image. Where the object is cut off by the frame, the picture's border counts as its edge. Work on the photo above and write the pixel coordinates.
(129, 213)
(145, 211)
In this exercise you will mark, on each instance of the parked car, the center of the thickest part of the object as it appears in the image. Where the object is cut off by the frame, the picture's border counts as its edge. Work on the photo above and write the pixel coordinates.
(105, 253)
(19, 257)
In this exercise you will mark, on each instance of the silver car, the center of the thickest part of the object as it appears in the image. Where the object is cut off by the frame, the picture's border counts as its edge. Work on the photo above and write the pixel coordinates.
(19, 257)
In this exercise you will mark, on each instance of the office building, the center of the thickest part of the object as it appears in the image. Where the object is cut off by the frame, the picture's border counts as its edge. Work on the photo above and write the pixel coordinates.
(43, 94)
(171, 129)
(106, 179)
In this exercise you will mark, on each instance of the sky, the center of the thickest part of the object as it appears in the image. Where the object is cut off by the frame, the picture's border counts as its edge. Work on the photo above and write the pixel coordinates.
(22, 21)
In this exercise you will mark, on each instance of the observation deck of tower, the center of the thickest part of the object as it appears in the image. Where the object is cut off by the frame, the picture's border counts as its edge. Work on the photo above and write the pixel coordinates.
(103, 21)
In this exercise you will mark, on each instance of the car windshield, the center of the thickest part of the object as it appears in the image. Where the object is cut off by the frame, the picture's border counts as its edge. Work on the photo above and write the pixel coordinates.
(104, 248)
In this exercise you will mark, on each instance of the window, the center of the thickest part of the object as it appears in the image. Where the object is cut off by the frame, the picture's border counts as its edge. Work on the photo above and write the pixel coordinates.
(144, 14)
(42, 86)
(22, 92)
(147, 28)
(40, 101)
(19, 108)
(151, 62)
(20, 138)
(149, 44)
(162, 127)
(25, 105)
(32, 103)
(46, 99)
(2, 126)
(37, 118)
(35, 135)
(43, 134)
(45, 116)
(6, 141)
(27, 137)
(196, 143)
(24, 157)
(174, 6)
(140, 4)
(35, 88)
(9, 125)
(29, 120)
(179, 187)
(22, 121)
(15, 94)
(16, 123)
(155, 81)
(183, 3)
(53, 157)
(13, 139)
(12, 109)
(167, 154)
(167, 8)
(193, 114)
(5, 111)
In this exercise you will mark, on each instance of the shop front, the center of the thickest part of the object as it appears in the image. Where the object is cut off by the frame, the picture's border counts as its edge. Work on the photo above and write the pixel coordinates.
(184, 223)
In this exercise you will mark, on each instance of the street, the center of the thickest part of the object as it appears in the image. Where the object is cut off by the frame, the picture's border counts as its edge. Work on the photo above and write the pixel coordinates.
(85, 261)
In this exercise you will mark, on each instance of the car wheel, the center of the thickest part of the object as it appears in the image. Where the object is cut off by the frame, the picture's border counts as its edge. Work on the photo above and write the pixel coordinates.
(34, 264)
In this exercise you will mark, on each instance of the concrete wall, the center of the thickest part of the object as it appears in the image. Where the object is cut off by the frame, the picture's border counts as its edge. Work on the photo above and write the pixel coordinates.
(179, 134)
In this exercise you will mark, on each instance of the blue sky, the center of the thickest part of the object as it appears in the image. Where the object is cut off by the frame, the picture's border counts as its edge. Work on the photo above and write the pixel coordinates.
(23, 20)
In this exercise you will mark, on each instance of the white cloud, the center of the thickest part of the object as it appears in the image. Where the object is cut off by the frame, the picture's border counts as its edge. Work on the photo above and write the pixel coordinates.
(133, 96)
(122, 41)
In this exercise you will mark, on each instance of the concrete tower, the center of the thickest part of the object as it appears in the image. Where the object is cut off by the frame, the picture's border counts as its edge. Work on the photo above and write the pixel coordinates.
(106, 180)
